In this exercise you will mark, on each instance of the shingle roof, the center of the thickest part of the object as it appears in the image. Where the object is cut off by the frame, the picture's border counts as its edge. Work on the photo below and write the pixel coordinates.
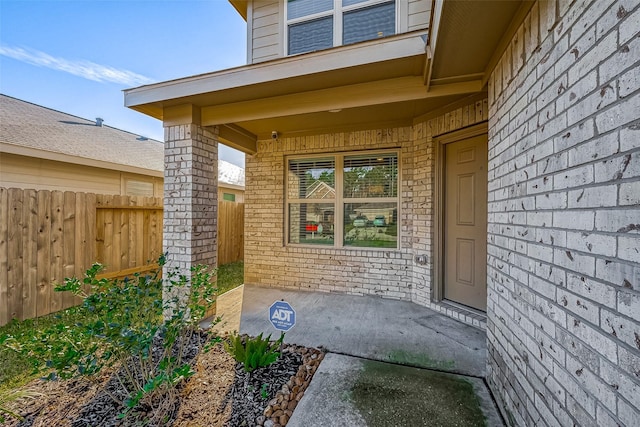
(32, 126)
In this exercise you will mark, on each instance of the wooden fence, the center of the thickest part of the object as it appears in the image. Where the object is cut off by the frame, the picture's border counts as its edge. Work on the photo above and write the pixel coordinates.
(46, 236)
(230, 232)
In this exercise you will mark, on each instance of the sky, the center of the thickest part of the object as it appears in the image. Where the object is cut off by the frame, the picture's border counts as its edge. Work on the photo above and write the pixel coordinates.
(78, 56)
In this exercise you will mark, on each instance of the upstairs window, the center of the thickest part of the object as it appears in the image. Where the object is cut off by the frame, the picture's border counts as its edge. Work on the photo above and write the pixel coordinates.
(321, 24)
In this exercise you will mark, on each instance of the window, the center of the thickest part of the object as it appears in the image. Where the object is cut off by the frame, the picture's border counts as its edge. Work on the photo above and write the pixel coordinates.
(343, 200)
(229, 197)
(321, 24)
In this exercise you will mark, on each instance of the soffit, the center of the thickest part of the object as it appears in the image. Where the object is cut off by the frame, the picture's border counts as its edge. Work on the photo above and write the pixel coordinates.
(469, 34)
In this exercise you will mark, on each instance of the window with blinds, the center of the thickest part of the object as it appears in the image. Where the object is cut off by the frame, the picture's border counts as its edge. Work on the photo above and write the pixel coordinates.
(320, 24)
(343, 200)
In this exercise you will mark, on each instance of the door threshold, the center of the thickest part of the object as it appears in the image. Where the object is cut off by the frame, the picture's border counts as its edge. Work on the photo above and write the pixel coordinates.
(461, 312)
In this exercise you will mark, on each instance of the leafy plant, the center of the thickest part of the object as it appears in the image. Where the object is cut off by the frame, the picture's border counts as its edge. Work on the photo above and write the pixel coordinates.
(128, 324)
(264, 392)
(254, 352)
(9, 396)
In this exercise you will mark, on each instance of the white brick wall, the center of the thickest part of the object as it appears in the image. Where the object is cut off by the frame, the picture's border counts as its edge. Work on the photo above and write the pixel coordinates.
(564, 272)
(190, 198)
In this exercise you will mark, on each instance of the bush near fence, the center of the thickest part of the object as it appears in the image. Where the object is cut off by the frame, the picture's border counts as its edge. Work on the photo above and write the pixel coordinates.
(46, 236)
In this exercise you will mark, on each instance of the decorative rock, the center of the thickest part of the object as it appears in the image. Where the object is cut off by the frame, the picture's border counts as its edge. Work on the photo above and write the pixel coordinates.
(292, 405)
(260, 420)
(284, 419)
(268, 423)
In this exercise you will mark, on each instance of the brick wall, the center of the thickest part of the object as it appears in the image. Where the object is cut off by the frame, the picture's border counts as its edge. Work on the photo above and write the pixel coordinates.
(269, 262)
(388, 273)
(190, 197)
(564, 221)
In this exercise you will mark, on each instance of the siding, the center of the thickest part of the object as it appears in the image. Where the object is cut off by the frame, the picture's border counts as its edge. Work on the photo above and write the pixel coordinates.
(40, 174)
(266, 40)
(564, 172)
(419, 14)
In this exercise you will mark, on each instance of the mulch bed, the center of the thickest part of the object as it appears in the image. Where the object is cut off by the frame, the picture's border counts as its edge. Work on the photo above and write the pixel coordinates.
(220, 393)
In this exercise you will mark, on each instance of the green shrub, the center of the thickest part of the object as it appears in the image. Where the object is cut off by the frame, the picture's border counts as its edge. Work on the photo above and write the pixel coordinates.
(253, 352)
(125, 323)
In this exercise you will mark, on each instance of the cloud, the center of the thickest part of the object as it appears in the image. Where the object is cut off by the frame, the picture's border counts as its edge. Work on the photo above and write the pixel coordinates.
(85, 69)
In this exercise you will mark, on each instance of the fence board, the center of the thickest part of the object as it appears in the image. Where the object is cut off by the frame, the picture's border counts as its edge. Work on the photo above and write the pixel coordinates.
(14, 271)
(4, 256)
(46, 236)
(56, 273)
(30, 254)
(43, 306)
(81, 261)
(69, 245)
(108, 240)
(91, 232)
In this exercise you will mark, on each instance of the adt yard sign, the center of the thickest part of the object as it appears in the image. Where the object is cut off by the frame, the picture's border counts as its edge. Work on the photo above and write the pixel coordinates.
(282, 316)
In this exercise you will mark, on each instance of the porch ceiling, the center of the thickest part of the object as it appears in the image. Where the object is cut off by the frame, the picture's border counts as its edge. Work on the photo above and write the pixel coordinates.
(470, 34)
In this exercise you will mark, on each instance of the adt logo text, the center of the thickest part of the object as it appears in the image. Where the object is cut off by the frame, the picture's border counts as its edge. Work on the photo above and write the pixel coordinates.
(282, 315)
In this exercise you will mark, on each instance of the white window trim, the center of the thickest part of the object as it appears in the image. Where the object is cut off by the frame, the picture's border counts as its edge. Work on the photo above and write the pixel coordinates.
(337, 12)
(339, 202)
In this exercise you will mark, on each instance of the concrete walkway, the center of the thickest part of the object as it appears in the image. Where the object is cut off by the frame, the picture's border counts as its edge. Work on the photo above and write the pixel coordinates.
(229, 309)
(349, 391)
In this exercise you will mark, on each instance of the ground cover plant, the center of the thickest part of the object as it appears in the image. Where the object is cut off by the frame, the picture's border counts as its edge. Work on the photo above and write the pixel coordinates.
(253, 352)
(120, 325)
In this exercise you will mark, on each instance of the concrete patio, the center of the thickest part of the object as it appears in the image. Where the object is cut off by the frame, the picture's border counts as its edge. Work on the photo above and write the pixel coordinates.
(372, 328)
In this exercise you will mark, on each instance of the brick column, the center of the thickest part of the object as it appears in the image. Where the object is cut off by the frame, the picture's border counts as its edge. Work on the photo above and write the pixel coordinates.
(190, 199)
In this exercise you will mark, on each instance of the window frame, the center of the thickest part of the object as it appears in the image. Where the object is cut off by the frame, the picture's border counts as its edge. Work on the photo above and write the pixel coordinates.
(337, 12)
(340, 201)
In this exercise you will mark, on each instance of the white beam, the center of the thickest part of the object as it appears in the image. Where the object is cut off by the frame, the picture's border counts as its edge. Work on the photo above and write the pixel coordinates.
(236, 137)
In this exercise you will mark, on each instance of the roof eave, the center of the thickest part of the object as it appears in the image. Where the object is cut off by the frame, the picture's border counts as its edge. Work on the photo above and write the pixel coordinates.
(241, 7)
(151, 99)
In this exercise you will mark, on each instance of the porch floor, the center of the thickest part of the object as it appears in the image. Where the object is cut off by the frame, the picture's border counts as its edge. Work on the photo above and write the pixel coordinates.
(371, 327)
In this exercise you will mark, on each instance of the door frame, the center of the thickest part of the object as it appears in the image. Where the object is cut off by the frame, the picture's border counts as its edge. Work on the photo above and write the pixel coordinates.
(437, 290)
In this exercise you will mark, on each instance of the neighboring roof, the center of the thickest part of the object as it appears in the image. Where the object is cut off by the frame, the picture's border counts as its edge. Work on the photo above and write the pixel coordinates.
(36, 131)
(320, 190)
(229, 173)
(30, 126)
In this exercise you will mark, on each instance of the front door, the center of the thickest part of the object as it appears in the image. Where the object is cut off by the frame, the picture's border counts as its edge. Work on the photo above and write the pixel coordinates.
(465, 222)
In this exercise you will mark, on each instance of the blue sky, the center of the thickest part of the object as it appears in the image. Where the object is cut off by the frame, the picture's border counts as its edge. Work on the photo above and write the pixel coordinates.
(78, 56)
